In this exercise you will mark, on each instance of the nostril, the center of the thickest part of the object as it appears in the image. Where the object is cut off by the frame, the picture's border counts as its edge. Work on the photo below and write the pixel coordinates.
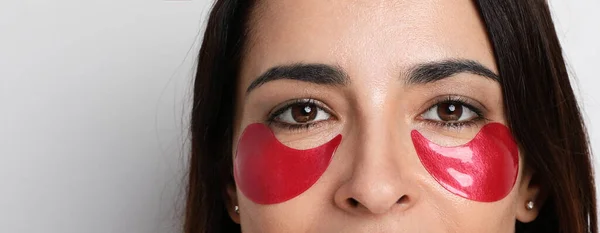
(403, 200)
(353, 202)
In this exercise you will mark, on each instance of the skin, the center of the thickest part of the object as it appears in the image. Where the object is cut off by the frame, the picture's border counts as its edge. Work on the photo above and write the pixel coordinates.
(376, 43)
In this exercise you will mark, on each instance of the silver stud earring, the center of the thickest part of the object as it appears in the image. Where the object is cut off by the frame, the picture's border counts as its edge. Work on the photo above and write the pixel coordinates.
(529, 205)
(237, 209)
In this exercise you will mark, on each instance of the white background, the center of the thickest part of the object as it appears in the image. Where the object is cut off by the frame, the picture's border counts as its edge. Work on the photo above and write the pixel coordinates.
(93, 114)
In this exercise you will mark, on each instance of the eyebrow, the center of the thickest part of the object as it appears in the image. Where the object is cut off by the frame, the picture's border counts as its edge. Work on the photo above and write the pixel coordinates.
(312, 73)
(438, 70)
(335, 75)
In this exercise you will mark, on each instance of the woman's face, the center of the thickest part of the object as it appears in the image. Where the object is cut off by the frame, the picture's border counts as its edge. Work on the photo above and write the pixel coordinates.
(373, 72)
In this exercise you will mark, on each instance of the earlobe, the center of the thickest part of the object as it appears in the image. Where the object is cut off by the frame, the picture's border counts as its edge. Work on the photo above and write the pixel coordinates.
(232, 203)
(530, 199)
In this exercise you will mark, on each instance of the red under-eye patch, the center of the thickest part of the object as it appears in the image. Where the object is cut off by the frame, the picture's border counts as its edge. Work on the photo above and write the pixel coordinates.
(268, 172)
(484, 169)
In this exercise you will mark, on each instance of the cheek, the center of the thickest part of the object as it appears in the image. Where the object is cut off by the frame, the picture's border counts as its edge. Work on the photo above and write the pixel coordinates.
(268, 172)
(485, 169)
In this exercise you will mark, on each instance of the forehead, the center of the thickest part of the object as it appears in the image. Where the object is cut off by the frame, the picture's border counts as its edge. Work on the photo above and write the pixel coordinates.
(364, 36)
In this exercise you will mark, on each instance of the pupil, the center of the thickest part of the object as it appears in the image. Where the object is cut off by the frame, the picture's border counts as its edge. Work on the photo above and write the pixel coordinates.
(303, 113)
(449, 111)
(307, 109)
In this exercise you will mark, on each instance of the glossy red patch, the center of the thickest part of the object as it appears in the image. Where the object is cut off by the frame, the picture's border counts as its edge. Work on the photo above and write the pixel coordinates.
(485, 169)
(268, 172)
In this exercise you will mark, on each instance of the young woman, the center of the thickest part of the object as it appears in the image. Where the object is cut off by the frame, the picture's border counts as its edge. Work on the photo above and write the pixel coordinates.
(386, 116)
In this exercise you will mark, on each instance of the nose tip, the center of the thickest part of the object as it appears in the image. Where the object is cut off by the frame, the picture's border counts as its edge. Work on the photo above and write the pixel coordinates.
(376, 207)
(380, 178)
(375, 198)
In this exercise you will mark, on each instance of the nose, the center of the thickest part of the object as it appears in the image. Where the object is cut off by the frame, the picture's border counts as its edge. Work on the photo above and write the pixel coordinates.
(378, 181)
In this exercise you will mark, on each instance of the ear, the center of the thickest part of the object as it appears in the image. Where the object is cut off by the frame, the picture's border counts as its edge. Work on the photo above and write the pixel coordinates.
(530, 190)
(232, 202)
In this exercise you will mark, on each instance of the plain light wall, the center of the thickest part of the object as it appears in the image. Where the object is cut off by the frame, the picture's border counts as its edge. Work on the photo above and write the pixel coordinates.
(94, 98)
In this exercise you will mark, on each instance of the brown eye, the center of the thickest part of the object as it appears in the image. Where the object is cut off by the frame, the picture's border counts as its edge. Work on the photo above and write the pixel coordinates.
(303, 113)
(449, 112)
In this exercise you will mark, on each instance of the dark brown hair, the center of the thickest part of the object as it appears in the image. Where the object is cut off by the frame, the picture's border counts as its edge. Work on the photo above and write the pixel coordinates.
(540, 107)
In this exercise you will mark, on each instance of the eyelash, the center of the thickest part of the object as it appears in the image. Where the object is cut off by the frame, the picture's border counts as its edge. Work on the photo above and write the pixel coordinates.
(272, 118)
